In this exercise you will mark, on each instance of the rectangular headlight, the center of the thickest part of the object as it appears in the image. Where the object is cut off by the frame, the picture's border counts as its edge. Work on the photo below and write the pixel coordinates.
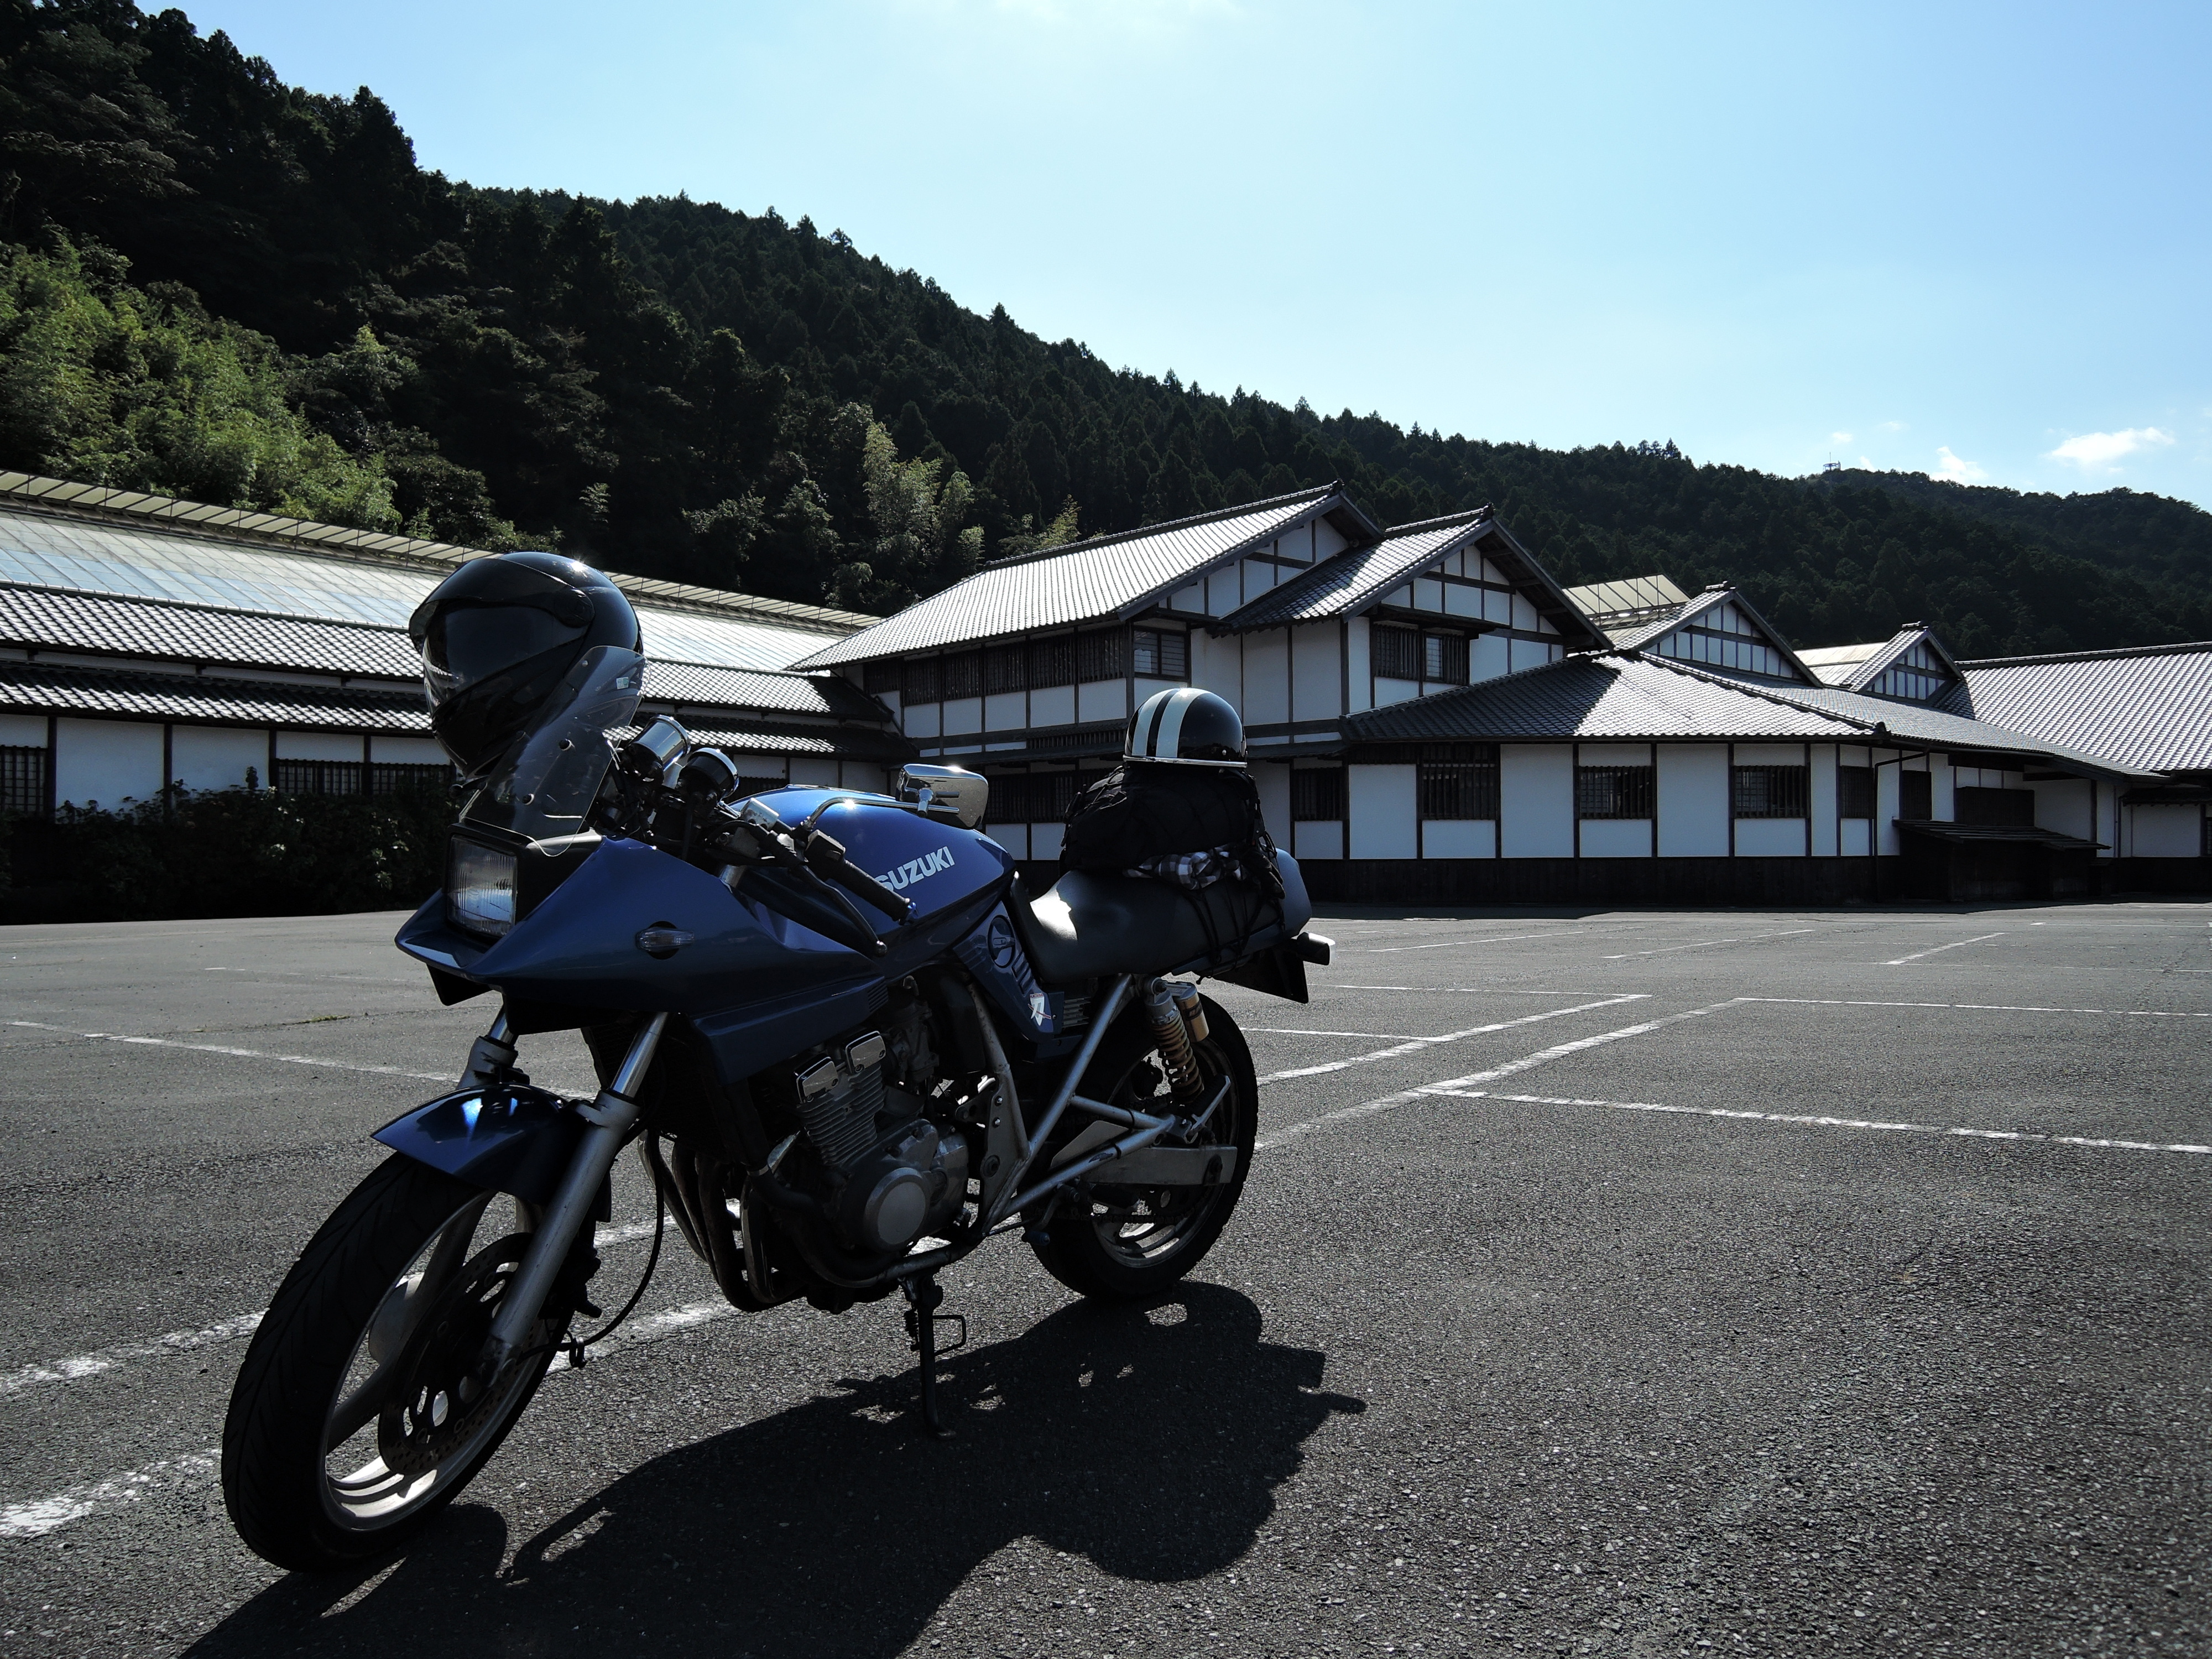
(479, 887)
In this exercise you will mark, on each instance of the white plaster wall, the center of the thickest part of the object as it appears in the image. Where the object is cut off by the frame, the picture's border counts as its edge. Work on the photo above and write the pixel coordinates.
(1463, 601)
(1101, 700)
(1147, 690)
(1005, 711)
(1326, 541)
(1524, 614)
(1943, 801)
(109, 762)
(1693, 800)
(1851, 839)
(1459, 838)
(1496, 607)
(1527, 653)
(1487, 658)
(1769, 754)
(1054, 705)
(1536, 800)
(1428, 594)
(1357, 665)
(1319, 841)
(1822, 800)
(1219, 665)
(2064, 806)
(390, 751)
(1317, 673)
(889, 700)
(1188, 598)
(1885, 802)
(963, 715)
(1044, 840)
(1014, 837)
(23, 731)
(1389, 691)
(1770, 838)
(921, 720)
(819, 771)
(1267, 677)
(2167, 833)
(1616, 838)
(1274, 782)
(318, 745)
(217, 756)
(1384, 820)
(755, 763)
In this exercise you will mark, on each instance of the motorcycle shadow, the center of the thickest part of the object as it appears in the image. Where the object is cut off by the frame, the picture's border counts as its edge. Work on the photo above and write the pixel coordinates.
(1148, 1440)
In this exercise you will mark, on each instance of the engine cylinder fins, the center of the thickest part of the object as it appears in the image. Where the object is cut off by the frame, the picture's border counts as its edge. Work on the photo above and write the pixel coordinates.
(838, 1100)
(1172, 1035)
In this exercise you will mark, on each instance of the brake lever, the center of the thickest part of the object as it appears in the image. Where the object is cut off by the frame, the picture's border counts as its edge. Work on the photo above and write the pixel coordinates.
(826, 857)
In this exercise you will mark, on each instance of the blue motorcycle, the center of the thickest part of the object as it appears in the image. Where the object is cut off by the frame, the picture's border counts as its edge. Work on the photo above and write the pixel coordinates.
(848, 1047)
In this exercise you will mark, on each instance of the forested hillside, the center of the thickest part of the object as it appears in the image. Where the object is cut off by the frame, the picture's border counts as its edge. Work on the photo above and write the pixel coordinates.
(223, 286)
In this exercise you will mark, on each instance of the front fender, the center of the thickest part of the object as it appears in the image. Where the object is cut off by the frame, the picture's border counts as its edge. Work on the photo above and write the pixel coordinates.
(516, 1140)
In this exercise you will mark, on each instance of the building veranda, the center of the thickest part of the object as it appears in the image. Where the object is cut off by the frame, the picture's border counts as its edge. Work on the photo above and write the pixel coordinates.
(1433, 718)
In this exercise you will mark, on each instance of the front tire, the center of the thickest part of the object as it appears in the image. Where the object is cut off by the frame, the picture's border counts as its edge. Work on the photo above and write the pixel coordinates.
(353, 1422)
(1126, 1245)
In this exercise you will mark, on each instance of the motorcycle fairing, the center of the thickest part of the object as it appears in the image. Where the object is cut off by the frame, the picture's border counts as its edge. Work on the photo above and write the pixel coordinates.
(516, 1139)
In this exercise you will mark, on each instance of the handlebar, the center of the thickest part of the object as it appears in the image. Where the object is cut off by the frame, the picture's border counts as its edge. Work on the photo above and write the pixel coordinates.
(825, 856)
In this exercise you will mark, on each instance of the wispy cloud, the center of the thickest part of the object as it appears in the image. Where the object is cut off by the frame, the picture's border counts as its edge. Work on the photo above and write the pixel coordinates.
(1839, 437)
(2096, 452)
(1956, 470)
(1891, 426)
(1867, 464)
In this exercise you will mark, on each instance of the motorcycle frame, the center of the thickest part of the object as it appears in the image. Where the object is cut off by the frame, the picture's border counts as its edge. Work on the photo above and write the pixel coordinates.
(612, 1117)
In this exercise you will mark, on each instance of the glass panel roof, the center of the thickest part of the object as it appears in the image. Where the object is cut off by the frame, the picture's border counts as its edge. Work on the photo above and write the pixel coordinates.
(52, 551)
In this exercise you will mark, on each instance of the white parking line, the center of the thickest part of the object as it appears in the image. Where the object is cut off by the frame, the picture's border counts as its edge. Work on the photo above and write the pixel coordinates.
(1415, 1045)
(37, 1516)
(236, 1053)
(79, 1367)
(41, 1515)
(1831, 1122)
(1938, 950)
(1979, 1007)
(1302, 1031)
(1405, 1096)
(1502, 939)
(1707, 944)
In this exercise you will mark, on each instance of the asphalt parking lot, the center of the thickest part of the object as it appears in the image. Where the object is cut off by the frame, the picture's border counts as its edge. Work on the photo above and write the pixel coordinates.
(1624, 1283)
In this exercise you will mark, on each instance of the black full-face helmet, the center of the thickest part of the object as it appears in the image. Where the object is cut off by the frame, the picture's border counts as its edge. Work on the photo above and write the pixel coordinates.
(496, 637)
(1185, 727)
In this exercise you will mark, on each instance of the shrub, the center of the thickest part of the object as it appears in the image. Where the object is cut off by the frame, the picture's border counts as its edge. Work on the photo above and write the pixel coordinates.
(229, 852)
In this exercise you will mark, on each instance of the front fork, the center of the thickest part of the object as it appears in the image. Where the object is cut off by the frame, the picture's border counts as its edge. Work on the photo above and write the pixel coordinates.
(612, 1115)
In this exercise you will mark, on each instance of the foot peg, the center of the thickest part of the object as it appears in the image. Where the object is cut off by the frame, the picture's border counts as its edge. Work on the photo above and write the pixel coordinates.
(924, 1296)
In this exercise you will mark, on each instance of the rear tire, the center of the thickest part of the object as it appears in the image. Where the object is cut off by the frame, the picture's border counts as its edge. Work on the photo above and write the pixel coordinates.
(1124, 1244)
(342, 1319)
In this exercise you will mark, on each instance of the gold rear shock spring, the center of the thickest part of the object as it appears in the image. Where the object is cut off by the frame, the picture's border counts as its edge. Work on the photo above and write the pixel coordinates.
(1173, 1036)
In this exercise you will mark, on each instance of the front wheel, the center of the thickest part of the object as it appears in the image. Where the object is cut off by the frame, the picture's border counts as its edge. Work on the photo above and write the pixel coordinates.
(1126, 1244)
(358, 1414)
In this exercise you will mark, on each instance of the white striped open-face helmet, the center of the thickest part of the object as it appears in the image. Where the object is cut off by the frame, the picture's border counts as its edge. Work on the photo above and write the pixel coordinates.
(1185, 727)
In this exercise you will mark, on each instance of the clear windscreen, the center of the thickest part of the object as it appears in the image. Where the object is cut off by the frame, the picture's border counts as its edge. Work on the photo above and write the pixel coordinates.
(544, 787)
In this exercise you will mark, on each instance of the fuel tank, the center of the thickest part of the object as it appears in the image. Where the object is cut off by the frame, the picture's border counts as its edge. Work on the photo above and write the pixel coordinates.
(931, 862)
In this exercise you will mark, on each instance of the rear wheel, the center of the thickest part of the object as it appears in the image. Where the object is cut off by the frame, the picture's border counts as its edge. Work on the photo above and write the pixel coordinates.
(1125, 1244)
(358, 1414)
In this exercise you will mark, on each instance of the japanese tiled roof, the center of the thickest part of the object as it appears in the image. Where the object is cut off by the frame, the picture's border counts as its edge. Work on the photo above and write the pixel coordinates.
(1103, 578)
(121, 694)
(2149, 707)
(1620, 695)
(1342, 586)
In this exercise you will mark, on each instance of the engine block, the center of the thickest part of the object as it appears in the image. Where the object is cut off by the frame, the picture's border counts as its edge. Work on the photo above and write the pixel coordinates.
(839, 1098)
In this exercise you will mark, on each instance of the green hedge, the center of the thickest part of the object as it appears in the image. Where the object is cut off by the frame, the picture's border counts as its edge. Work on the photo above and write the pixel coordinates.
(227, 852)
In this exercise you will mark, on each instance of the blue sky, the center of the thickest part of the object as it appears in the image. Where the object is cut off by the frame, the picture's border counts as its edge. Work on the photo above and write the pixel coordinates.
(1963, 239)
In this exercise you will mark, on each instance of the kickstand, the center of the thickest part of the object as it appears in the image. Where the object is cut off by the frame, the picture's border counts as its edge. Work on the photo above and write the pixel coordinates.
(924, 1297)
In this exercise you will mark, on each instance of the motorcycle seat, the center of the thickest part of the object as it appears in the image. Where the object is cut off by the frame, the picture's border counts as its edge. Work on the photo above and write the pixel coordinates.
(1092, 923)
